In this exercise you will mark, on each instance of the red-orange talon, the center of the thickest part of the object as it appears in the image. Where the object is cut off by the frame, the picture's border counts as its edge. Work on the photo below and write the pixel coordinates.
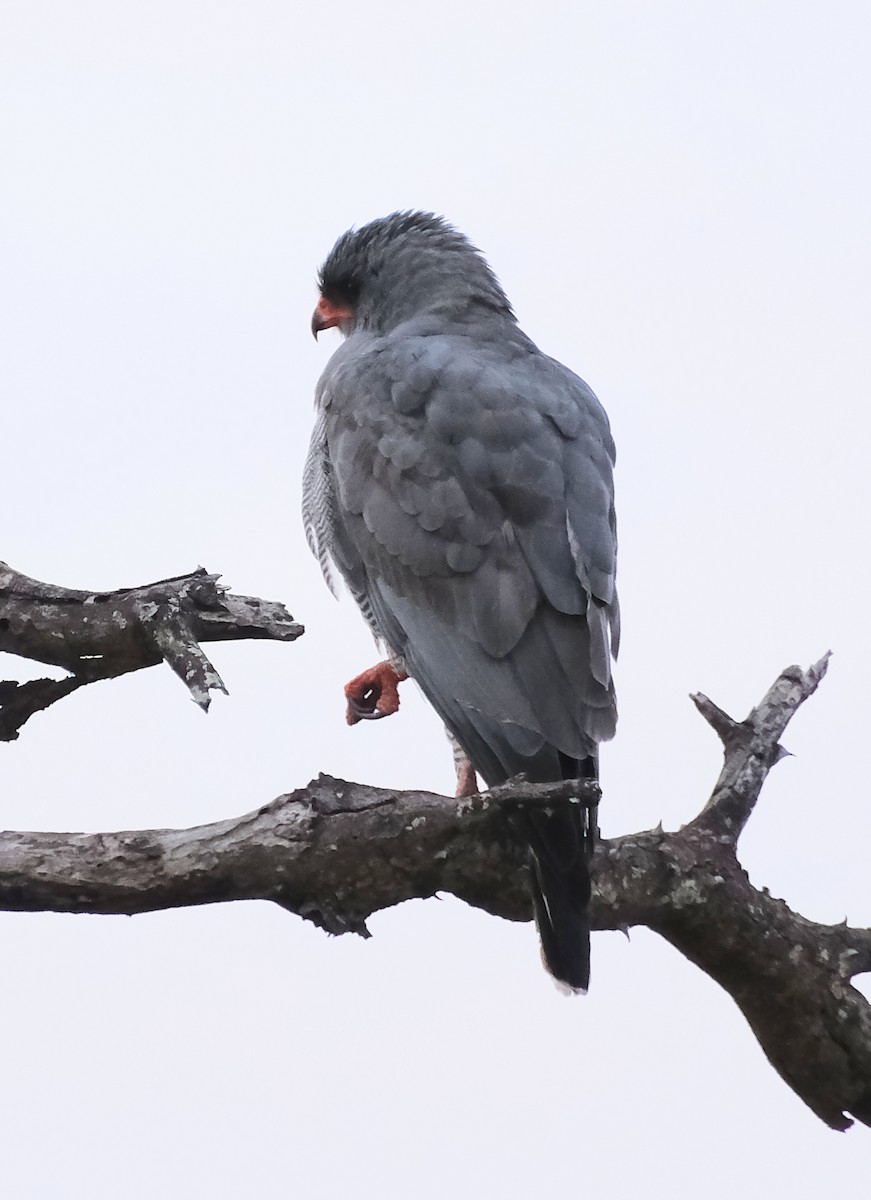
(374, 694)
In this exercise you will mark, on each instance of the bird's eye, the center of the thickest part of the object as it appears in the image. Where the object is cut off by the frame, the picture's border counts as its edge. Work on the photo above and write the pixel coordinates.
(344, 291)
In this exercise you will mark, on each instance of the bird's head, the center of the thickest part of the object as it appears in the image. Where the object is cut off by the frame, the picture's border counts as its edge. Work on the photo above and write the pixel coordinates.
(400, 267)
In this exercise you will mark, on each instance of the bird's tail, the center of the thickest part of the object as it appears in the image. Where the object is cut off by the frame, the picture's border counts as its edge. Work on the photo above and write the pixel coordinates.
(560, 842)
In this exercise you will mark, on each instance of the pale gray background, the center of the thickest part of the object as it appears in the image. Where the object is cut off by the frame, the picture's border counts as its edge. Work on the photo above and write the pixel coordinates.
(676, 198)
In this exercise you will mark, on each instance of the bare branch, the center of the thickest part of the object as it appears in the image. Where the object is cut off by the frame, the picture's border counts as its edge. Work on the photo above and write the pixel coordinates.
(722, 724)
(100, 635)
(336, 852)
(19, 701)
(175, 640)
(752, 747)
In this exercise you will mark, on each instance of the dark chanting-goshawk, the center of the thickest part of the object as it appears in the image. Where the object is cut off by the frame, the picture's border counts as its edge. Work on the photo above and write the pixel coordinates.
(461, 482)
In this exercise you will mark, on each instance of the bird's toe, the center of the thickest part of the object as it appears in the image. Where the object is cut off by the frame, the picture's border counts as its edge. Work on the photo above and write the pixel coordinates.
(373, 694)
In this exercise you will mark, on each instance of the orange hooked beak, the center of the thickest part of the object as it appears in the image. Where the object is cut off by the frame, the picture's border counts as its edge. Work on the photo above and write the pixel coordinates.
(328, 316)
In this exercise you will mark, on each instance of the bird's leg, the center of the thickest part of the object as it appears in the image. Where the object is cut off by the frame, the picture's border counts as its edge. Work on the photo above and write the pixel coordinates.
(591, 826)
(467, 779)
(589, 769)
(374, 694)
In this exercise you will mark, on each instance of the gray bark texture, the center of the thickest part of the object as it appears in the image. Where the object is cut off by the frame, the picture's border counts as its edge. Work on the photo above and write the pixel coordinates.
(336, 852)
(100, 635)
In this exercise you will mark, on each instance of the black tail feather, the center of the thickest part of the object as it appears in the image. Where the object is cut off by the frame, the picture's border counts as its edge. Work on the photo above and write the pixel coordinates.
(560, 842)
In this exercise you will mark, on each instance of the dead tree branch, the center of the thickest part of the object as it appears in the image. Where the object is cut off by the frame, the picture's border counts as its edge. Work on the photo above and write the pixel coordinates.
(336, 852)
(100, 635)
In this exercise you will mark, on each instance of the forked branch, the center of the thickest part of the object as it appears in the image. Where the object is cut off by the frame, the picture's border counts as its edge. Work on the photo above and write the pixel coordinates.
(100, 635)
(335, 852)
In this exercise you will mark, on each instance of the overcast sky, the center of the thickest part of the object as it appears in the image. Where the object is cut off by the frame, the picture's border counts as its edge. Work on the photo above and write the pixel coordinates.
(675, 197)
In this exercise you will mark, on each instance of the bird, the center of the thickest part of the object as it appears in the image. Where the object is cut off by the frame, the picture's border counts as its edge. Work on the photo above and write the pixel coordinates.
(460, 481)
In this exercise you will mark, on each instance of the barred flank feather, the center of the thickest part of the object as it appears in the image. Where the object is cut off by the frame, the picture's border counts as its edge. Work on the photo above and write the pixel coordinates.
(318, 501)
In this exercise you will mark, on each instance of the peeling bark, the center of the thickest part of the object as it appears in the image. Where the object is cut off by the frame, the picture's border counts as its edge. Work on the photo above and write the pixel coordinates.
(100, 635)
(335, 852)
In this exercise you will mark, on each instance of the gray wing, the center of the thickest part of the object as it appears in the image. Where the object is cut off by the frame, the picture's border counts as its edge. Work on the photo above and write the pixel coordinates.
(474, 514)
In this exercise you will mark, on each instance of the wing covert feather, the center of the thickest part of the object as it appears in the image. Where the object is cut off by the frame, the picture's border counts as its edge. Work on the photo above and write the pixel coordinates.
(474, 499)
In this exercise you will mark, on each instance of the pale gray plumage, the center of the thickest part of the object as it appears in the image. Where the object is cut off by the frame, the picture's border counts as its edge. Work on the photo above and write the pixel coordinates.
(461, 482)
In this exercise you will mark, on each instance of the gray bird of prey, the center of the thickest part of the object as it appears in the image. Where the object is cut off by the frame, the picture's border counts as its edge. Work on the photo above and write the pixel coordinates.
(461, 483)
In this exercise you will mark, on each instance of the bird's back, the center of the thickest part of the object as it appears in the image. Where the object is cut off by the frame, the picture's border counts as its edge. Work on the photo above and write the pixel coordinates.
(466, 495)
(474, 510)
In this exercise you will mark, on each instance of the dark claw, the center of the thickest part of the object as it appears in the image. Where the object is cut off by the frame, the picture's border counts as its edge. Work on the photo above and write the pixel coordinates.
(366, 707)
